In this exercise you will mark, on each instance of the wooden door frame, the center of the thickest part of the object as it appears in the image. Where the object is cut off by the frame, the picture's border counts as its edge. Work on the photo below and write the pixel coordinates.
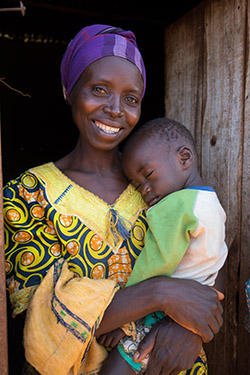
(3, 304)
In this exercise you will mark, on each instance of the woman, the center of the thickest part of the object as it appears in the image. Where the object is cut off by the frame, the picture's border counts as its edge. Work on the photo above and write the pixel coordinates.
(74, 229)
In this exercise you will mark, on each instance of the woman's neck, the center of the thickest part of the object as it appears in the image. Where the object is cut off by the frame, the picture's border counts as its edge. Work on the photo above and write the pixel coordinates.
(84, 158)
(99, 172)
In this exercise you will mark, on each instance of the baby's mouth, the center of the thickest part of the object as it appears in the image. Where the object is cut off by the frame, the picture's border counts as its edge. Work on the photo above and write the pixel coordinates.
(106, 128)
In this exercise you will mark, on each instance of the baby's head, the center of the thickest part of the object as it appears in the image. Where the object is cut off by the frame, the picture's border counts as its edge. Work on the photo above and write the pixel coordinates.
(160, 158)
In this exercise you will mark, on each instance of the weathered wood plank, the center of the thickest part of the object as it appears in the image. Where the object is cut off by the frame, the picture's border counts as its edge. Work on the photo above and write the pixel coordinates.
(243, 352)
(222, 148)
(207, 89)
(184, 71)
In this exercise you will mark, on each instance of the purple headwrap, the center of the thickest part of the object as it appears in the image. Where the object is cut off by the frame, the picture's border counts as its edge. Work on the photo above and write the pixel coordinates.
(94, 42)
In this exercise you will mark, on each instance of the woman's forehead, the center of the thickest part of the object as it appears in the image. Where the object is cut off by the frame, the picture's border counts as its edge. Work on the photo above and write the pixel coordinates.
(112, 67)
(108, 63)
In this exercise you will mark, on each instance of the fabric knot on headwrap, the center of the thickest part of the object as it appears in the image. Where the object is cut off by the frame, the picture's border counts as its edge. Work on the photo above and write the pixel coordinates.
(91, 44)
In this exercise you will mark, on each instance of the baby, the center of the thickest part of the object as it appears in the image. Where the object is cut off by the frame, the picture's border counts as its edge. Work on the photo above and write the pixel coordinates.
(186, 234)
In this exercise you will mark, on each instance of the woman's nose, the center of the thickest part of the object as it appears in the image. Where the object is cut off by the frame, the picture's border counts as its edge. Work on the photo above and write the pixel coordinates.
(114, 107)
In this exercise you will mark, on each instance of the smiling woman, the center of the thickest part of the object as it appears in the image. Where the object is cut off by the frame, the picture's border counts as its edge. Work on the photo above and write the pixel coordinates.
(106, 101)
(75, 227)
(106, 106)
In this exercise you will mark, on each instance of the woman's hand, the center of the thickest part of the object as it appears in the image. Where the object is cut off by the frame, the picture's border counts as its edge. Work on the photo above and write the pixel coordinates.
(172, 347)
(194, 306)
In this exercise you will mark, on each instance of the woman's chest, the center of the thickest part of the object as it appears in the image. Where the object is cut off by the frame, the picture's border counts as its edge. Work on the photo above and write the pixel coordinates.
(88, 254)
(106, 186)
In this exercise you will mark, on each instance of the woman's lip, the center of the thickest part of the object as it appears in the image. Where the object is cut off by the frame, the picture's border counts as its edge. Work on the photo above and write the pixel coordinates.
(107, 129)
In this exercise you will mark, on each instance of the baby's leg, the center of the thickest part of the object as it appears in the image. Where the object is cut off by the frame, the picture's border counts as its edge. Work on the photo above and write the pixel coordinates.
(115, 365)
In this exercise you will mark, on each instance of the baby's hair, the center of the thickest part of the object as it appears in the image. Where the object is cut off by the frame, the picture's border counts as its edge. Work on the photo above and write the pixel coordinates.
(163, 130)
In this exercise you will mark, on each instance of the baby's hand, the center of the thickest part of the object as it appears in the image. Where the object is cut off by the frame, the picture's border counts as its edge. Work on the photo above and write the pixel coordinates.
(111, 339)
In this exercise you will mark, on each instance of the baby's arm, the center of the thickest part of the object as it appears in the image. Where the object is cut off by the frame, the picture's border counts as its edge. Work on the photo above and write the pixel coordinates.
(112, 338)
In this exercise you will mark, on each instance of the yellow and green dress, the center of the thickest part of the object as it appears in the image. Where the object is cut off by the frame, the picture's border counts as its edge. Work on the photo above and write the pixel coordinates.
(67, 252)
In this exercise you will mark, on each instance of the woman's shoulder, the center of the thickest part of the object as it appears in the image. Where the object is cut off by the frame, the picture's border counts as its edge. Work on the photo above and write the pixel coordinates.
(29, 178)
(45, 171)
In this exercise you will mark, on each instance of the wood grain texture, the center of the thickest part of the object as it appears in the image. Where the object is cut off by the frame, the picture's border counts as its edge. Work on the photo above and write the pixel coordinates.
(208, 89)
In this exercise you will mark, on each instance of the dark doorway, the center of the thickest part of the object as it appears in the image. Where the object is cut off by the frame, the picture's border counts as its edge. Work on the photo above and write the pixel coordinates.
(37, 128)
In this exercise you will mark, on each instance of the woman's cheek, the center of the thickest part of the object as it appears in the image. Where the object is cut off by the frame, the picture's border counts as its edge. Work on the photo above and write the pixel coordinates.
(134, 117)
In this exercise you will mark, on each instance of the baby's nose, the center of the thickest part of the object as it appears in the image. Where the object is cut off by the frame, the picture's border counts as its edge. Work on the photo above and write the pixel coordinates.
(145, 189)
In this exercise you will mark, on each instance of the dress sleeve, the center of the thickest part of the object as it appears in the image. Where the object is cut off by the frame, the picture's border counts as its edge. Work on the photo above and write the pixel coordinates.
(31, 243)
(208, 251)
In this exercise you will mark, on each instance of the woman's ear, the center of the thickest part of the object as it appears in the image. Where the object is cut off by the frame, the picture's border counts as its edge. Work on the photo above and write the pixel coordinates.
(69, 100)
(186, 156)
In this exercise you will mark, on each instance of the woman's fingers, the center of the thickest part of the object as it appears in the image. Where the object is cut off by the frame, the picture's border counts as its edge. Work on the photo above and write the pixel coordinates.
(214, 323)
(166, 358)
(220, 294)
(220, 307)
(209, 329)
(145, 347)
(213, 328)
(157, 361)
(219, 319)
(195, 307)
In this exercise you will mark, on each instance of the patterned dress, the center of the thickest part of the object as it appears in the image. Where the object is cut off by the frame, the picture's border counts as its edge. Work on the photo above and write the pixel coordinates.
(49, 219)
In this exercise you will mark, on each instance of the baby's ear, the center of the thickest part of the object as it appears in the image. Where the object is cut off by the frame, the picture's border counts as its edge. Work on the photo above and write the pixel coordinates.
(186, 156)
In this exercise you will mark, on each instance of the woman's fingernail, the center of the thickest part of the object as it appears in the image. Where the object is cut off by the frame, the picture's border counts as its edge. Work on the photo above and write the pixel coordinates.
(136, 356)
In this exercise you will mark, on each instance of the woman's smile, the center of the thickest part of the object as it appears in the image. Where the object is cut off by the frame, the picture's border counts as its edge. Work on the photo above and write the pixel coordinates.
(107, 129)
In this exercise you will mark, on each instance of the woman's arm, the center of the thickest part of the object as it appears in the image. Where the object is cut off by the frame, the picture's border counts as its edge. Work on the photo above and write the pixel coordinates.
(192, 305)
(129, 304)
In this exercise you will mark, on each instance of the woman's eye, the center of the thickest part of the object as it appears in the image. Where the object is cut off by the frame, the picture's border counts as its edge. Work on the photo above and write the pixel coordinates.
(131, 99)
(99, 90)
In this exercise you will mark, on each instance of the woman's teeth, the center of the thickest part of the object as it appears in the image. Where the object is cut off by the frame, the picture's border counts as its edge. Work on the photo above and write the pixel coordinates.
(107, 129)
